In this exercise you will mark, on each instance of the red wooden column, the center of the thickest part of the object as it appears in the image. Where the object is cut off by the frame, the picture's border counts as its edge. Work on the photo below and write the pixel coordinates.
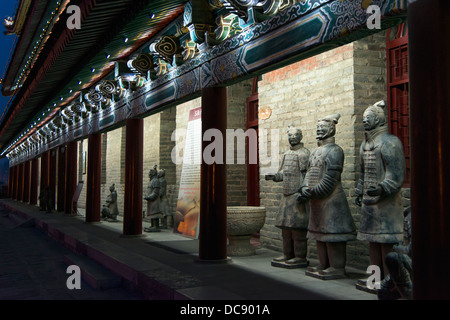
(71, 175)
(61, 179)
(9, 182)
(52, 177)
(34, 180)
(21, 182)
(428, 23)
(11, 186)
(26, 182)
(134, 157)
(44, 172)
(16, 182)
(94, 166)
(213, 199)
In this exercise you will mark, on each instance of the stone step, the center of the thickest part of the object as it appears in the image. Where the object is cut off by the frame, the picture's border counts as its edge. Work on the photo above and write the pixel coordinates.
(21, 222)
(95, 275)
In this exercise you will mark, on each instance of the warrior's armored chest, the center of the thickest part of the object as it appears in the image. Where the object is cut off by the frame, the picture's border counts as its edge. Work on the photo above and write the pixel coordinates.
(316, 166)
(370, 169)
(153, 185)
(292, 175)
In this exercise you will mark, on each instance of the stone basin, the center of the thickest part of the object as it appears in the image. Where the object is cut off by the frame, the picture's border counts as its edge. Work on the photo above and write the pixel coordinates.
(242, 223)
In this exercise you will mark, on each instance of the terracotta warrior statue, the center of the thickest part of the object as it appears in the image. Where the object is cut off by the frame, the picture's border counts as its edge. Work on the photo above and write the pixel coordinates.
(110, 210)
(382, 173)
(153, 200)
(163, 197)
(398, 283)
(292, 217)
(330, 223)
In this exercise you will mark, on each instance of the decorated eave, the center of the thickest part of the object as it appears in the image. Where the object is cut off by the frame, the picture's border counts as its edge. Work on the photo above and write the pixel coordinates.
(30, 18)
(14, 25)
(212, 42)
(62, 53)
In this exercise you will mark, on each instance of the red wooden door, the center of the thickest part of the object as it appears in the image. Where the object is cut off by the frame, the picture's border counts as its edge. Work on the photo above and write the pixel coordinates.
(398, 89)
(253, 169)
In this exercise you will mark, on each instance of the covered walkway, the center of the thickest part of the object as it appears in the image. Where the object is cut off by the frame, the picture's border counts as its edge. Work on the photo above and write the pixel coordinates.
(166, 266)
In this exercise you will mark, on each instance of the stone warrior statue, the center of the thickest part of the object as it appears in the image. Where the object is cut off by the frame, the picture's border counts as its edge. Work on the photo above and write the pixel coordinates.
(382, 173)
(330, 223)
(45, 197)
(153, 200)
(292, 217)
(163, 197)
(110, 210)
(398, 283)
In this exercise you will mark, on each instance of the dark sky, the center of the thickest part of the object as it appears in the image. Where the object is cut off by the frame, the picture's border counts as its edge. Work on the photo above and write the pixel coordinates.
(7, 8)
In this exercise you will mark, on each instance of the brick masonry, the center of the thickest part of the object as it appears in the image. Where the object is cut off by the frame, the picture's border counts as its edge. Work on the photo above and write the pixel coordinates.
(300, 94)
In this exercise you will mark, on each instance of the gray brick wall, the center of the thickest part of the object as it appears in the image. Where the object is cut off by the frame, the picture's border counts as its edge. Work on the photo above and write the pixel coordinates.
(300, 94)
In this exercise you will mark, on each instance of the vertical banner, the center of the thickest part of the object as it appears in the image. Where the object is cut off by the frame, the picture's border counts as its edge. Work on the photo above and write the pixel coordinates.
(187, 217)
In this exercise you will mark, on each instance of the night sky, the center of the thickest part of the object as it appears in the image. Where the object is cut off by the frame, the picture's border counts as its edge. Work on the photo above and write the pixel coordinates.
(7, 8)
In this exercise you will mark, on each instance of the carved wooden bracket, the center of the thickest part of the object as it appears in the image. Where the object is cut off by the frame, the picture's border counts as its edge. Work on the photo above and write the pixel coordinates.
(52, 126)
(95, 100)
(251, 11)
(57, 123)
(223, 31)
(190, 49)
(131, 83)
(169, 49)
(41, 136)
(126, 78)
(110, 89)
(79, 111)
(143, 65)
(240, 7)
(163, 68)
(65, 117)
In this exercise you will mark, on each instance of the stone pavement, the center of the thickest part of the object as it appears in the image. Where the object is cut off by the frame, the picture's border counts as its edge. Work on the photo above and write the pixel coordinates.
(32, 267)
(152, 266)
